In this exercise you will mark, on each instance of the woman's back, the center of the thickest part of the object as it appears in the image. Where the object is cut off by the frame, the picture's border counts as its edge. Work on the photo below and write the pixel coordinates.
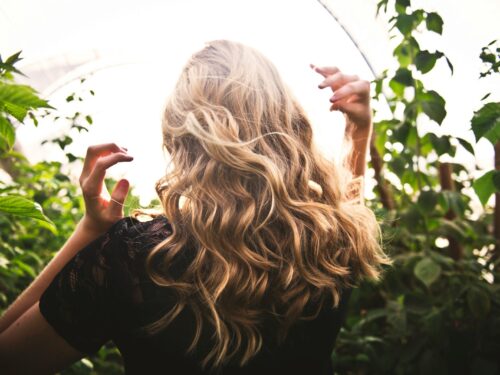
(105, 294)
(251, 273)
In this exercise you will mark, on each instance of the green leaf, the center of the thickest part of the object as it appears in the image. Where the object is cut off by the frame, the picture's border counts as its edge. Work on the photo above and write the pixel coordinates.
(486, 96)
(19, 113)
(89, 119)
(452, 229)
(18, 99)
(486, 185)
(412, 217)
(8, 65)
(466, 145)
(427, 200)
(405, 23)
(406, 51)
(397, 88)
(433, 105)
(396, 315)
(13, 59)
(398, 165)
(486, 122)
(427, 271)
(434, 22)
(400, 133)
(403, 3)
(442, 144)
(452, 200)
(450, 65)
(425, 61)
(478, 302)
(7, 135)
(402, 78)
(33, 118)
(441, 258)
(381, 3)
(20, 206)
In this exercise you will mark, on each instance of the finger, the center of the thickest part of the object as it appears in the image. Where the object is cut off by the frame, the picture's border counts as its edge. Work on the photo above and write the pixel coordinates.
(359, 88)
(339, 105)
(325, 71)
(118, 196)
(93, 153)
(93, 183)
(337, 80)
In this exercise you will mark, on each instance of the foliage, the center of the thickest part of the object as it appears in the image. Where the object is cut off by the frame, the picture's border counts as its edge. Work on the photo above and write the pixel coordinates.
(15, 103)
(40, 191)
(437, 309)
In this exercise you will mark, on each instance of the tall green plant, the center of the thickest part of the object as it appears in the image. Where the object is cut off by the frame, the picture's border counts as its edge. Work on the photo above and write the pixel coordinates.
(437, 311)
(16, 103)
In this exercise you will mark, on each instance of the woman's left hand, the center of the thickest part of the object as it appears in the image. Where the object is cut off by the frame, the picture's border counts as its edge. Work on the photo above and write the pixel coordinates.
(351, 95)
(102, 210)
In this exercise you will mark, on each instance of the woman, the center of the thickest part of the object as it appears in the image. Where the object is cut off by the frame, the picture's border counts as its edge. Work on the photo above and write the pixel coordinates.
(249, 267)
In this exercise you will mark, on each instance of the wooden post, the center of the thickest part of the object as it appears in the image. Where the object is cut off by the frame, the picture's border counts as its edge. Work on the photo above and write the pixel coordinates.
(496, 217)
(377, 163)
(447, 183)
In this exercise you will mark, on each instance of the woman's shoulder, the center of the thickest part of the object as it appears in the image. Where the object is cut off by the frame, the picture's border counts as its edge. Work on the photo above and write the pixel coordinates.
(138, 235)
(131, 228)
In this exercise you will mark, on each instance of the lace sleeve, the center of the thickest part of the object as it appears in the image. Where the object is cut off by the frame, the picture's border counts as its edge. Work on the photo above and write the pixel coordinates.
(78, 303)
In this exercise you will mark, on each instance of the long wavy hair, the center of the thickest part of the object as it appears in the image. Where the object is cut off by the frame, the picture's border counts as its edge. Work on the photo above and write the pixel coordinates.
(272, 224)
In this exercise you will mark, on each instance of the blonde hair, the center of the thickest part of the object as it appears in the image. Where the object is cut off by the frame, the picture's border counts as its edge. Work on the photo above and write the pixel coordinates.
(270, 221)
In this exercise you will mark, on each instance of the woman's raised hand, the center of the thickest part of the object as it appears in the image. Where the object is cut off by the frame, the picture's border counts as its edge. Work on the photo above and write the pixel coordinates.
(351, 95)
(101, 209)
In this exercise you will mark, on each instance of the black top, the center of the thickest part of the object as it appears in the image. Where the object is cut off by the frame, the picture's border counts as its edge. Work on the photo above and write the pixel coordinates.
(104, 294)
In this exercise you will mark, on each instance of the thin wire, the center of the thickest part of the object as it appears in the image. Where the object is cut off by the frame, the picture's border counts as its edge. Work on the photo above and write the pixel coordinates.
(327, 8)
(113, 200)
(353, 40)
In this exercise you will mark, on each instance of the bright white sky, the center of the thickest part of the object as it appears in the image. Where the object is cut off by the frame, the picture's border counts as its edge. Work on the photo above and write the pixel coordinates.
(140, 46)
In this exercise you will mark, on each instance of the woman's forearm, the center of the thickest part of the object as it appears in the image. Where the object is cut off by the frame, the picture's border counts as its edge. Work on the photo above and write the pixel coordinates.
(100, 215)
(359, 137)
(81, 237)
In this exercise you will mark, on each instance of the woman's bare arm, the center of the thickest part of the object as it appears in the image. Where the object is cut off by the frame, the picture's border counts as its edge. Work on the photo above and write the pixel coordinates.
(351, 96)
(101, 213)
(78, 240)
(356, 159)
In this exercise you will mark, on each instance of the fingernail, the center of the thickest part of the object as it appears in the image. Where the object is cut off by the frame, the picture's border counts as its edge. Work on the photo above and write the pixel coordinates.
(123, 185)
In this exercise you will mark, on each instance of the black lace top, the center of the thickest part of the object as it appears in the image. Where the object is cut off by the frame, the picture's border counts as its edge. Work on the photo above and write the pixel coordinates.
(104, 293)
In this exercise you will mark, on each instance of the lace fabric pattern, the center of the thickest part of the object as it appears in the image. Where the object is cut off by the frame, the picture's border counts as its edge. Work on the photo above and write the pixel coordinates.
(104, 293)
(83, 301)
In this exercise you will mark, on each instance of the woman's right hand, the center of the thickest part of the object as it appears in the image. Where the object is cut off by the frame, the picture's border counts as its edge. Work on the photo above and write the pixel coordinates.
(351, 96)
(102, 210)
